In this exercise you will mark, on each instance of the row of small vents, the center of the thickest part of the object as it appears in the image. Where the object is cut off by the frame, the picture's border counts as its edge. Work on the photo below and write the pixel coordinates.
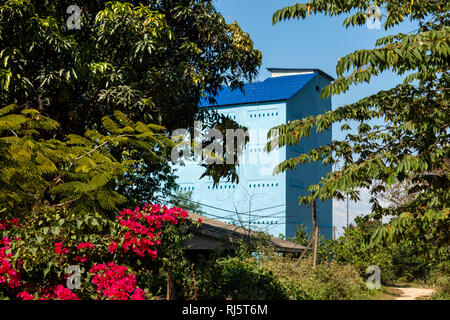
(256, 115)
(233, 186)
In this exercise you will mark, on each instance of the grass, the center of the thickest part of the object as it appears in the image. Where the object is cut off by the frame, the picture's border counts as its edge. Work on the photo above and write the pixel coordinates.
(385, 293)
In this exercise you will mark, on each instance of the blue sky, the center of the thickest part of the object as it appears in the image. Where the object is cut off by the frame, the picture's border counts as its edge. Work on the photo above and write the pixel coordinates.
(316, 42)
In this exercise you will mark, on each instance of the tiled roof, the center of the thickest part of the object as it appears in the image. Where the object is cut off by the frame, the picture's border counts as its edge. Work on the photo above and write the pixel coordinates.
(271, 89)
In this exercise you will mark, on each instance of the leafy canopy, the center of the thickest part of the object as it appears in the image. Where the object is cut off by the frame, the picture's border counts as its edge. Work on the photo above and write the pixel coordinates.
(151, 60)
(84, 115)
(413, 141)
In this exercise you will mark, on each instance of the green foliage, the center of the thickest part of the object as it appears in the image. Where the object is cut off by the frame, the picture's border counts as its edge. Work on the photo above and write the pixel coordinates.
(441, 279)
(84, 116)
(150, 60)
(407, 262)
(353, 248)
(76, 173)
(325, 247)
(258, 272)
(400, 261)
(237, 279)
(413, 141)
(328, 281)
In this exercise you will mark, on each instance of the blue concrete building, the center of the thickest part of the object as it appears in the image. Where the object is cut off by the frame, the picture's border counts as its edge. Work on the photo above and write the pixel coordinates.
(261, 200)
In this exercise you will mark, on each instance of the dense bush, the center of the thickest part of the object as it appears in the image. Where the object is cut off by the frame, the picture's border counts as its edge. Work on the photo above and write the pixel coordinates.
(353, 248)
(115, 262)
(440, 278)
(261, 273)
(328, 281)
(237, 278)
(407, 263)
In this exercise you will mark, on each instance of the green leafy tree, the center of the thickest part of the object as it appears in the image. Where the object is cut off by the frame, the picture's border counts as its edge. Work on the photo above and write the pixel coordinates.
(84, 116)
(413, 141)
(151, 60)
(354, 248)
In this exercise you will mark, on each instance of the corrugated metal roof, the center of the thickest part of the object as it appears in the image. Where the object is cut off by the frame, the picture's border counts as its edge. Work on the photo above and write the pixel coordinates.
(232, 234)
(271, 89)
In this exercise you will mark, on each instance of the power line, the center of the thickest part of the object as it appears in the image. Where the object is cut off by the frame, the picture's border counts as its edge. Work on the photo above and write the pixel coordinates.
(226, 210)
(240, 222)
(244, 213)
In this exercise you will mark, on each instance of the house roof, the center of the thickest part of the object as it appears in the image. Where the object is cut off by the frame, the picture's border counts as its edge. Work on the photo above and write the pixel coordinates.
(231, 234)
(270, 90)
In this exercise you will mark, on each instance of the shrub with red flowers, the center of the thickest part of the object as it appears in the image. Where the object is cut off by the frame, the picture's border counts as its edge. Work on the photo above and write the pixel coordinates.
(58, 292)
(82, 247)
(146, 240)
(116, 282)
(6, 224)
(8, 275)
(60, 249)
(141, 229)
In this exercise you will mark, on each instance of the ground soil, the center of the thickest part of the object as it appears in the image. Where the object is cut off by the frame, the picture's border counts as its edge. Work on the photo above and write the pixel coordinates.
(414, 293)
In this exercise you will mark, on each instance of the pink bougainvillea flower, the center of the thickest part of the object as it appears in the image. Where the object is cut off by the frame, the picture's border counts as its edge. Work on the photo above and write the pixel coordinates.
(116, 282)
(56, 293)
(60, 249)
(83, 245)
(112, 247)
(81, 259)
(141, 228)
(25, 295)
(8, 275)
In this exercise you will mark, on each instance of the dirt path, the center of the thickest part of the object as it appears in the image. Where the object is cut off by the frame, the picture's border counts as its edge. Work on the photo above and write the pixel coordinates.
(414, 293)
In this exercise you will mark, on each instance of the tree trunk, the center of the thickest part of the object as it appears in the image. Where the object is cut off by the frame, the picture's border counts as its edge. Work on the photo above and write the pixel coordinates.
(170, 286)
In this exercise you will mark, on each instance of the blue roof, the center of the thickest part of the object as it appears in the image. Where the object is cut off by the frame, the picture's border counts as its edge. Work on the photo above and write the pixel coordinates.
(271, 89)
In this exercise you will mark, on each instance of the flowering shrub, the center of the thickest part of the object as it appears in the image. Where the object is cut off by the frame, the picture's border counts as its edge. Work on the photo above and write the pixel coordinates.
(8, 276)
(141, 229)
(58, 292)
(83, 245)
(5, 224)
(145, 239)
(116, 282)
(60, 249)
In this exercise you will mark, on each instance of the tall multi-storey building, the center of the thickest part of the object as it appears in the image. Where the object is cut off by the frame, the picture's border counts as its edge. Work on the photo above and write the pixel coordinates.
(262, 200)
